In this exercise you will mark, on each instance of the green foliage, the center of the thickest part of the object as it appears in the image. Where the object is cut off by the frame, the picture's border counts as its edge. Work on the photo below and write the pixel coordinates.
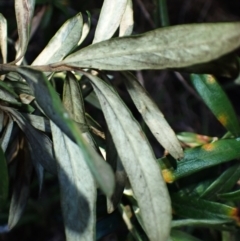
(46, 129)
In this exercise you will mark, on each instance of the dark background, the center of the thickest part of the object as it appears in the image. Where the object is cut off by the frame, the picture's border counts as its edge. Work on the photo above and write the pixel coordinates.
(172, 91)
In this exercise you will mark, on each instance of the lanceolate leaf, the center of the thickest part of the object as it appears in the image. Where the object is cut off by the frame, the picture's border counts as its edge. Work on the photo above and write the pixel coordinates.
(77, 186)
(170, 47)
(231, 196)
(65, 40)
(3, 180)
(24, 10)
(217, 101)
(50, 103)
(197, 208)
(223, 183)
(138, 161)
(153, 117)
(109, 20)
(5, 138)
(126, 25)
(3, 38)
(202, 157)
(177, 235)
(21, 188)
(197, 223)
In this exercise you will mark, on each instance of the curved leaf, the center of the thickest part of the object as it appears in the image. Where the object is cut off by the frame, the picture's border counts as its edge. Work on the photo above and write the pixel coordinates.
(230, 196)
(109, 19)
(138, 160)
(217, 101)
(61, 44)
(50, 103)
(24, 10)
(3, 38)
(197, 208)
(199, 158)
(126, 24)
(223, 183)
(170, 47)
(77, 187)
(153, 117)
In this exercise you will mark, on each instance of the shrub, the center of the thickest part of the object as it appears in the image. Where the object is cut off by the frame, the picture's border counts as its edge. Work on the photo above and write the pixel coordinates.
(50, 131)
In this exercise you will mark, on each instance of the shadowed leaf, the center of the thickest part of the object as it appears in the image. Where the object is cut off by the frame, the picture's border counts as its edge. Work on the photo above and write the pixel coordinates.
(20, 188)
(77, 186)
(53, 108)
(3, 180)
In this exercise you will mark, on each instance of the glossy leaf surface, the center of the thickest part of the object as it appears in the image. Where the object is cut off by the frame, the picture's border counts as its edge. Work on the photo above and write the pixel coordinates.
(202, 157)
(190, 207)
(217, 101)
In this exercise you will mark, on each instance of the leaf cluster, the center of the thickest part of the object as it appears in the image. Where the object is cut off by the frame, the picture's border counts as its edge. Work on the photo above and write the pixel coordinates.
(44, 130)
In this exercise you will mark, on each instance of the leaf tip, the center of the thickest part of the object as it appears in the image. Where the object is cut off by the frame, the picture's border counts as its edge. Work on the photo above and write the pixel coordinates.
(168, 175)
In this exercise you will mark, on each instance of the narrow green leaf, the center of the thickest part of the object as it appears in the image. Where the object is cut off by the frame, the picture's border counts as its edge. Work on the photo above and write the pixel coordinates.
(51, 105)
(193, 139)
(109, 19)
(24, 10)
(197, 223)
(177, 235)
(153, 117)
(223, 183)
(138, 160)
(3, 180)
(230, 196)
(196, 208)
(77, 186)
(21, 188)
(163, 13)
(217, 101)
(170, 47)
(3, 38)
(63, 42)
(5, 138)
(199, 158)
(126, 24)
